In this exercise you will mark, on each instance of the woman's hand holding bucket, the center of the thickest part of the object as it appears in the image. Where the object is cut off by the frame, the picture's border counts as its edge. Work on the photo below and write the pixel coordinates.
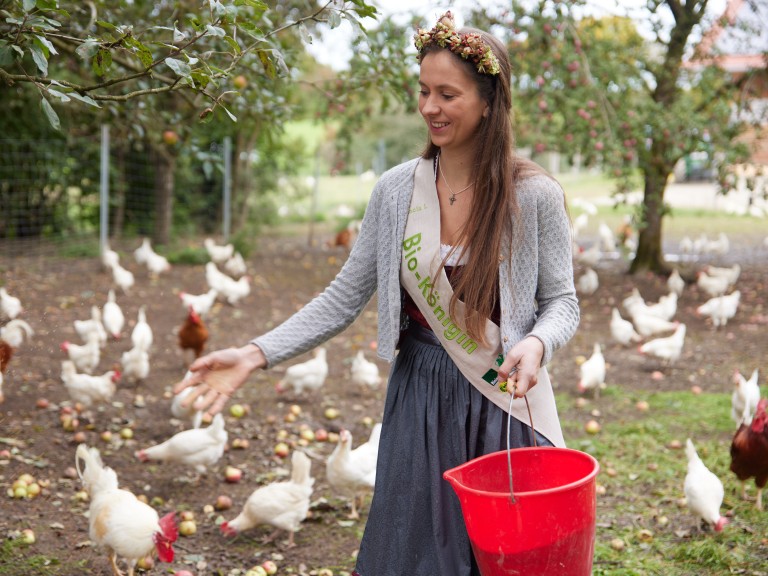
(521, 366)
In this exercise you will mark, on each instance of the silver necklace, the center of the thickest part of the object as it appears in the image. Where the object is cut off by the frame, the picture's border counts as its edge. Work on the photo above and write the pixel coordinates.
(452, 197)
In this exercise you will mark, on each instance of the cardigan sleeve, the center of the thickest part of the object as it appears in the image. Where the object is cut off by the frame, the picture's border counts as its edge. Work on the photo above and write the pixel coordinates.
(337, 306)
(557, 315)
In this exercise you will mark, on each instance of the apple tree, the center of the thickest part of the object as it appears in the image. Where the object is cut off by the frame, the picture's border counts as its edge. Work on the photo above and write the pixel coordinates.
(629, 104)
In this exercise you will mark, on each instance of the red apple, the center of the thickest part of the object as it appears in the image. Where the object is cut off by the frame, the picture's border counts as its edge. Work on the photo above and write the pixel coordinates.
(223, 502)
(170, 137)
(282, 449)
(42, 403)
(233, 474)
(240, 81)
(270, 567)
(321, 435)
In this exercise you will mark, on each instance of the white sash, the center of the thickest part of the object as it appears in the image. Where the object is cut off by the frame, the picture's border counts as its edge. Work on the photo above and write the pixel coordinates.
(478, 363)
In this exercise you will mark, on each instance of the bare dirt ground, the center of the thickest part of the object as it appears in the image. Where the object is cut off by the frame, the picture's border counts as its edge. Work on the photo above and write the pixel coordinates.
(286, 275)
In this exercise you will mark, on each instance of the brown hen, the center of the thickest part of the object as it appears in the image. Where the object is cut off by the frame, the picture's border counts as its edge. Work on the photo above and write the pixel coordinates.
(749, 451)
(193, 334)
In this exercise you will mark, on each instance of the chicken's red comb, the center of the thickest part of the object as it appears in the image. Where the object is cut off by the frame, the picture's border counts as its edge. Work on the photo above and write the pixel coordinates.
(168, 526)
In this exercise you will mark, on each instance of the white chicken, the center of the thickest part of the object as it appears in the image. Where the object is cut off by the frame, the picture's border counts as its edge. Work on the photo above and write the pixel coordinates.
(623, 331)
(580, 224)
(118, 521)
(112, 316)
(181, 412)
(592, 372)
(199, 448)
(305, 375)
(215, 277)
(135, 364)
(157, 264)
(719, 245)
(712, 285)
(732, 273)
(675, 283)
(235, 266)
(15, 332)
(607, 237)
(364, 372)
(633, 299)
(141, 335)
(350, 472)
(589, 257)
(234, 290)
(283, 505)
(109, 258)
(93, 324)
(745, 396)
(668, 348)
(703, 490)
(218, 253)
(648, 325)
(10, 306)
(720, 308)
(87, 389)
(200, 303)
(123, 278)
(143, 251)
(588, 282)
(86, 356)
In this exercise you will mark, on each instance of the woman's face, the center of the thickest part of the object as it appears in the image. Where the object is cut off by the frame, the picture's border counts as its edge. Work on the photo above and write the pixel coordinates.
(449, 101)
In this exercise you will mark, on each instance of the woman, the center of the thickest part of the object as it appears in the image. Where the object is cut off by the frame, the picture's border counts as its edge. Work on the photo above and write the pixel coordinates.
(469, 249)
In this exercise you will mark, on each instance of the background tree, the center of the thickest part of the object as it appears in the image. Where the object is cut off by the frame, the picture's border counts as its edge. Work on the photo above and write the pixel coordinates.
(595, 87)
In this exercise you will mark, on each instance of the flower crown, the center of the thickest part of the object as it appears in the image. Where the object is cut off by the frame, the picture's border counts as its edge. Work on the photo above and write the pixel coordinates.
(469, 46)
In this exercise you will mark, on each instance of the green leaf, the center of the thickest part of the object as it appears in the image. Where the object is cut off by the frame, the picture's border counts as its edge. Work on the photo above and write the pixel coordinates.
(107, 25)
(231, 116)
(258, 4)
(215, 31)
(102, 61)
(47, 4)
(266, 62)
(60, 95)
(47, 43)
(233, 43)
(87, 99)
(50, 113)
(29, 5)
(140, 51)
(180, 68)
(305, 35)
(40, 60)
(6, 56)
(87, 49)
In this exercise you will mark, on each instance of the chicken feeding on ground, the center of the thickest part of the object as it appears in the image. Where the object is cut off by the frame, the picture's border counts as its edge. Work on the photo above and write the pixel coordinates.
(732, 273)
(142, 252)
(88, 389)
(720, 308)
(135, 364)
(720, 245)
(283, 505)
(193, 334)
(364, 372)
(234, 290)
(675, 283)
(749, 452)
(588, 282)
(309, 375)
(668, 348)
(589, 257)
(123, 278)
(199, 448)
(745, 397)
(93, 324)
(214, 277)
(218, 253)
(703, 490)
(200, 303)
(353, 472)
(85, 357)
(141, 335)
(112, 316)
(592, 372)
(623, 331)
(235, 266)
(157, 264)
(712, 285)
(665, 308)
(10, 306)
(181, 412)
(15, 332)
(118, 521)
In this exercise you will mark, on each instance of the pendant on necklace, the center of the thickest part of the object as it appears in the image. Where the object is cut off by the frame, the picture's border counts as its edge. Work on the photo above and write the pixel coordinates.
(452, 199)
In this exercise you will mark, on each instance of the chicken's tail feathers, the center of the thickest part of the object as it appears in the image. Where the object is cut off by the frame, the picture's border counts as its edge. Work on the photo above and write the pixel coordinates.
(18, 322)
(301, 467)
(96, 476)
(375, 434)
(690, 450)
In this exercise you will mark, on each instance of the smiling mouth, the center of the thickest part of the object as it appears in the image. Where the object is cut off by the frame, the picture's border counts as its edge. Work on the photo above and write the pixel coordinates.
(439, 124)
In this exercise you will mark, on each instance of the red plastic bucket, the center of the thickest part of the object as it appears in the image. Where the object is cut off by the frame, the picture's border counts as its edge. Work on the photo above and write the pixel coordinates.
(549, 529)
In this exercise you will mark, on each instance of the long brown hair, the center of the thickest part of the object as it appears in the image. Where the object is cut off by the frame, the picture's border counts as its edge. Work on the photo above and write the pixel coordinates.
(496, 171)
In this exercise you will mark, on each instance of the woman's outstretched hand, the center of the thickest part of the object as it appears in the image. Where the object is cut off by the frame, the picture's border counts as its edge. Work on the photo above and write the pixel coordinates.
(521, 366)
(215, 377)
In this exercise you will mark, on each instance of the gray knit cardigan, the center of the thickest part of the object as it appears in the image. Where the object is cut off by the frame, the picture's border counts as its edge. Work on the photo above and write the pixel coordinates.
(536, 283)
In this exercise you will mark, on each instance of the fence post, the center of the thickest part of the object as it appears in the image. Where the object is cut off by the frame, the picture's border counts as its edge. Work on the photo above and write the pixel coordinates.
(227, 216)
(104, 190)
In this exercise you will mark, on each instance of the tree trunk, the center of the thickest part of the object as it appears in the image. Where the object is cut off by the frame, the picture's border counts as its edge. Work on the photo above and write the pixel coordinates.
(650, 256)
(165, 167)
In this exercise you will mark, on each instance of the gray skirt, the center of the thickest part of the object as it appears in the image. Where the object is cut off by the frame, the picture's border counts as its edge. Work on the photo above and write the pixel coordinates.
(434, 420)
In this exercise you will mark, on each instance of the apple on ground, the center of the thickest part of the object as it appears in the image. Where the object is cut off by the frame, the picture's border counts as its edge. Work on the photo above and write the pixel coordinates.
(237, 410)
(28, 536)
(270, 567)
(592, 427)
(187, 527)
(233, 474)
(282, 449)
(223, 502)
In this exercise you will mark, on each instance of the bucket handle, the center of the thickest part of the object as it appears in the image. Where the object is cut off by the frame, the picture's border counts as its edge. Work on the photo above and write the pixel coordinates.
(509, 449)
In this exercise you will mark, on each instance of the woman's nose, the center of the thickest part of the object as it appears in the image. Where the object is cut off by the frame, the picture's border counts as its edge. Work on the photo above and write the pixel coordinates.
(428, 106)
